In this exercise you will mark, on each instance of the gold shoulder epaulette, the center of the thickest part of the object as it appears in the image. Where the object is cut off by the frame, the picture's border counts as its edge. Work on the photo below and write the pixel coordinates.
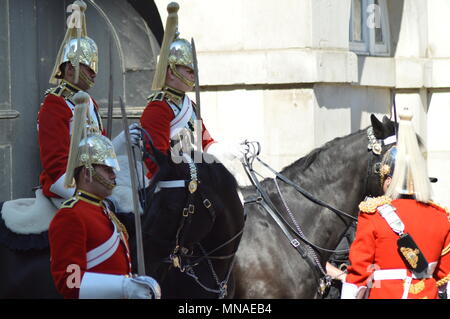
(54, 91)
(445, 209)
(61, 91)
(156, 96)
(370, 205)
(70, 202)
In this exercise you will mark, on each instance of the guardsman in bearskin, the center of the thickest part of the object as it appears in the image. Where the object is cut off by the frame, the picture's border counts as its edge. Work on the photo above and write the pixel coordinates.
(402, 243)
(171, 119)
(89, 250)
(75, 69)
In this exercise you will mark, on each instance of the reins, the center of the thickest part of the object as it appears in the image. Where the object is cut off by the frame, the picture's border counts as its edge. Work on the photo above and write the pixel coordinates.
(180, 256)
(294, 235)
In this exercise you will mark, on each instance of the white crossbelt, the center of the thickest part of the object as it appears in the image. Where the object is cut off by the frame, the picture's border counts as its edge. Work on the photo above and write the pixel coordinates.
(101, 253)
(180, 121)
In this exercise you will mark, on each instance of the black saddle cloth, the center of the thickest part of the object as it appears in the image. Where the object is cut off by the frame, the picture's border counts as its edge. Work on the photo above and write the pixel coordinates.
(16, 241)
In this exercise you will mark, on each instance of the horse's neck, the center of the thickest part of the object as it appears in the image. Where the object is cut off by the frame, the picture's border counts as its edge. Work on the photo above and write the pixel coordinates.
(337, 177)
(337, 173)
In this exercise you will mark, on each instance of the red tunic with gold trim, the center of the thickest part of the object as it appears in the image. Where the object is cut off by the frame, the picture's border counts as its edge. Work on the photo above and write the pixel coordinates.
(54, 129)
(82, 238)
(162, 116)
(374, 250)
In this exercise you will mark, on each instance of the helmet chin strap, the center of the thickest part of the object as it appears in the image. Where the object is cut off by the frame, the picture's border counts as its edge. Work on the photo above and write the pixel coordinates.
(86, 80)
(97, 177)
(181, 77)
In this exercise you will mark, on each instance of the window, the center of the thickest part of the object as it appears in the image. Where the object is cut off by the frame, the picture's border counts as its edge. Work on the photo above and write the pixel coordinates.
(369, 27)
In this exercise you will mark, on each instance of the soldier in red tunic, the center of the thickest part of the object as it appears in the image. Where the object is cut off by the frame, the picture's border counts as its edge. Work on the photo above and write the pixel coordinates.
(89, 247)
(171, 119)
(75, 69)
(402, 243)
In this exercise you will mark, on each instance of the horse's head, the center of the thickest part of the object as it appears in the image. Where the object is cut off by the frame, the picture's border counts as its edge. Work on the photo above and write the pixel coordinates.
(195, 204)
(381, 137)
(179, 214)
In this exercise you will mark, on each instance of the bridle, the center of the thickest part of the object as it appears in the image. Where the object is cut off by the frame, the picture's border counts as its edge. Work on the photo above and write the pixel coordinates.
(182, 257)
(295, 235)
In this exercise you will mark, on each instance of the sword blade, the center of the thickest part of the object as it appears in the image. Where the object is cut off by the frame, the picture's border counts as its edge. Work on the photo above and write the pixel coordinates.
(197, 81)
(134, 188)
(110, 93)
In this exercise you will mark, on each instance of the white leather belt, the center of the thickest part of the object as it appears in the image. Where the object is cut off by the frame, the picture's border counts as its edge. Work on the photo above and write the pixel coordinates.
(170, 184)
(402, 274)
(392, 274)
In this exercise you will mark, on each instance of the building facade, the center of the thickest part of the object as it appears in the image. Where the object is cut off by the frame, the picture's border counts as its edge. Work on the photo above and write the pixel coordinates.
(291, 74)
(295, 74)
(127, 33)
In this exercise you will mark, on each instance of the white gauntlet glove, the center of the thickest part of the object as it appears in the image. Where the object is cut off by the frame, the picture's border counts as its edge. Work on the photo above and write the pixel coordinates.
(227, 152)
(142, 287)
(119, 142)
(107, 286)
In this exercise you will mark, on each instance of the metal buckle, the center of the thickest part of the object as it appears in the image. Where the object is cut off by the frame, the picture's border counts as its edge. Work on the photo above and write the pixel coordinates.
(207, 203)
(295, 243)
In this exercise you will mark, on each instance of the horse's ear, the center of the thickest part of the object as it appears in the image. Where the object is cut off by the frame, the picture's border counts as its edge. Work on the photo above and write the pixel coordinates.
(389, 126)
(377, 126)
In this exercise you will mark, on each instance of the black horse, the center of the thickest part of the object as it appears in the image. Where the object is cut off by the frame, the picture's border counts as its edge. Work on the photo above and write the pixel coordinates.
(198, 227)
(341, 174)
(191, 238)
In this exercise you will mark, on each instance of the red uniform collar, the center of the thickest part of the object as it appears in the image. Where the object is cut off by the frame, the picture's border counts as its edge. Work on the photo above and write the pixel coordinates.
(88, 197)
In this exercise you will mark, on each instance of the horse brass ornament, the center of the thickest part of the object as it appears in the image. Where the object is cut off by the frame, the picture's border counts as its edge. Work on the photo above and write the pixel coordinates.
(192, 186)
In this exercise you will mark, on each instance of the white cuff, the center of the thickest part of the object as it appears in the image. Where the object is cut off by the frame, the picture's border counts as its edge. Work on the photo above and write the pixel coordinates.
(101, 286)
(59, 189)
(351, 291)
(445, 289)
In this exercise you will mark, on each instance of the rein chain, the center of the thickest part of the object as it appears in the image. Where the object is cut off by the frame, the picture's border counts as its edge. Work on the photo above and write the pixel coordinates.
(264, 201)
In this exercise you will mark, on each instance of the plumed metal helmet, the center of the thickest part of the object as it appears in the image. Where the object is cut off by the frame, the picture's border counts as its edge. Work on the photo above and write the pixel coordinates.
(410, 176)
(82, 50)
(76, 48)
(387, 165)
(97, 149)
(174, 51)
(180, 53)
(87, 146)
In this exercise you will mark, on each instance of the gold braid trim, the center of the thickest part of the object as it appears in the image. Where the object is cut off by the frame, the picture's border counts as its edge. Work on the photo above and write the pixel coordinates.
(370, 206)
(119, 225)
(441, 208)
(169, 94)
(443, 281)
(417, 288)
(446, 250)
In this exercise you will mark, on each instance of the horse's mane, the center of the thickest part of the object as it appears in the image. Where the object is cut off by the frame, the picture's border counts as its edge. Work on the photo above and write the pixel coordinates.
(306, 161)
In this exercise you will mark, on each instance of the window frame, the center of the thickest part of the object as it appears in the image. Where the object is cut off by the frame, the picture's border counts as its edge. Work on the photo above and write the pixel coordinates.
(368, 46)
